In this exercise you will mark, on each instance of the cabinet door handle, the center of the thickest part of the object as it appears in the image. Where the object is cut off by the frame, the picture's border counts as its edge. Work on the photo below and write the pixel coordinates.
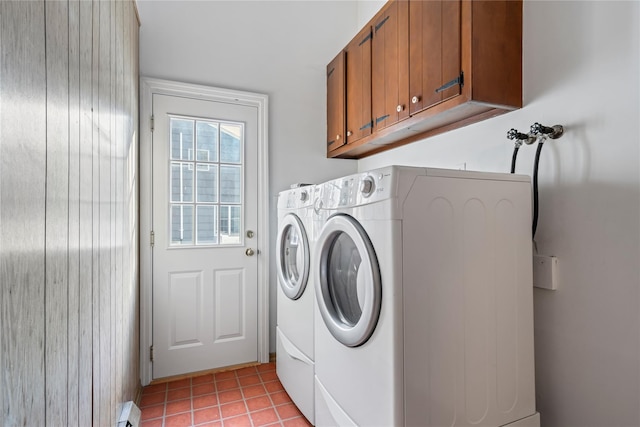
(399, 108)
(415, 99)
(349, 133)
(337, 136)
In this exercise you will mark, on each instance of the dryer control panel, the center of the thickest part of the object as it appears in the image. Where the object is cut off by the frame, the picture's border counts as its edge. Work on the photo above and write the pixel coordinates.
(358, 189)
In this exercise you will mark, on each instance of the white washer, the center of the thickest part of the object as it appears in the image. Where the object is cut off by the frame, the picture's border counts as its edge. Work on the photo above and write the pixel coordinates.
(295, 297)
(424, 313)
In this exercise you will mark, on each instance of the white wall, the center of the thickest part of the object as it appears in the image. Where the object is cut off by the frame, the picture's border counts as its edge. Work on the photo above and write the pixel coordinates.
(280, 48)
(581, 70)
(366, 10)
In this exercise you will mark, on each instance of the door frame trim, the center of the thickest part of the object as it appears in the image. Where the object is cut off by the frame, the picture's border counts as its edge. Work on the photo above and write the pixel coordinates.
(149, 87)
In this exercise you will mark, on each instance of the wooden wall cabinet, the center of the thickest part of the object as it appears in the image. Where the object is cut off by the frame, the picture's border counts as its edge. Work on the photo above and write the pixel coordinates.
(434, 53)
(349, 94)
(435, 66)
(358, 86)
(390, 65)
(336, 109)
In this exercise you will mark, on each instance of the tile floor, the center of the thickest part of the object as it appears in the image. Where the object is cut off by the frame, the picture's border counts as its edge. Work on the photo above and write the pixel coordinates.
(247, 397)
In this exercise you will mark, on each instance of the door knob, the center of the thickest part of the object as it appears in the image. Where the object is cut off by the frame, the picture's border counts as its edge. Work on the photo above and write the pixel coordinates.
(250, 234)
(249, 252)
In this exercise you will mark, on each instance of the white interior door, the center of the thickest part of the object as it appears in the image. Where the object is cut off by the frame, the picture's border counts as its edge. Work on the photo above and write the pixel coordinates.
(205, 221)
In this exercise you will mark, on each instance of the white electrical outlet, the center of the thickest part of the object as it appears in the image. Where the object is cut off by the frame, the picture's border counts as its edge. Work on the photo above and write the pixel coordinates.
(545, 272)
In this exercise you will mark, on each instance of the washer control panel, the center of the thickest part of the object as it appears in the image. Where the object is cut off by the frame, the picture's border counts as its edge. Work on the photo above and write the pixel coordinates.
(297, 197)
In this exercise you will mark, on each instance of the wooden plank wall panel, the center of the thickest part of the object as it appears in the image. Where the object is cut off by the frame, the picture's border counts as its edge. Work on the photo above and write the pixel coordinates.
(119, 201)
(22, 212)
(104, 209)
(131, 298)
(73, 325)
(95, 210)
(134, 220)
(113, 141)
(133, 312)
(57, 211)
(85, 359)
(69, 342)
(126, 244)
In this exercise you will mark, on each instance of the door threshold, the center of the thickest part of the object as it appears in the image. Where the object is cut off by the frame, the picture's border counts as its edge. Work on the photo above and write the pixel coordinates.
(205, 372)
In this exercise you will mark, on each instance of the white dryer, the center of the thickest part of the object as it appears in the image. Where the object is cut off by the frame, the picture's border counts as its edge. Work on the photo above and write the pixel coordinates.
(295, 297)
(424, 300)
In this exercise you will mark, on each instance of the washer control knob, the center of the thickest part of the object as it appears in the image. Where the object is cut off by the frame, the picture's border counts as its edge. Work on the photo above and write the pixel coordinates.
(304, 196)
(367, 186)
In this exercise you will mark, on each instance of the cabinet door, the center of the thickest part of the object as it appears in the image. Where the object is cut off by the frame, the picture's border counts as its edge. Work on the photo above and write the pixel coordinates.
(335, 103)
(434, 52)
(358, 64)
(390, 65)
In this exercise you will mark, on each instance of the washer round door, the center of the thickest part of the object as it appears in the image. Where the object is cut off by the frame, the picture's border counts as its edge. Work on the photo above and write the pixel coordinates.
(292, 256)
(348, 286)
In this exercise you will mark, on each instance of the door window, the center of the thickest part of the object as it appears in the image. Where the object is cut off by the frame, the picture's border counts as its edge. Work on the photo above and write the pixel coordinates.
(205, 182)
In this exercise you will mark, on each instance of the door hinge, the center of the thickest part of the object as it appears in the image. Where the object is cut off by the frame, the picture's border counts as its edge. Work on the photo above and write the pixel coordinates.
(151, 353)
(367, 125)
(381, 118)
(367, 37)
(381, 23)
(457, 81)
(152, 124)
(331, 72)
(152, 237)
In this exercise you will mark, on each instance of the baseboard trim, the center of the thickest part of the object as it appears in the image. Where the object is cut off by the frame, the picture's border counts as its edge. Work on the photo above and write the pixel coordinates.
(138, 396)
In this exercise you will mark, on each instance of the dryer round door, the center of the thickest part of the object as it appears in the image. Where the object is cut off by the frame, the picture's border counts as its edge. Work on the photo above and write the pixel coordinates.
(292, 256)
(348, 285)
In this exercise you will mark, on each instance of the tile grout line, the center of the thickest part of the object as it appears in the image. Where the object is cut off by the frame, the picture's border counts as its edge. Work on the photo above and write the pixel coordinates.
(166, 398)
(193, 414)
(244, 400)
(273, 404)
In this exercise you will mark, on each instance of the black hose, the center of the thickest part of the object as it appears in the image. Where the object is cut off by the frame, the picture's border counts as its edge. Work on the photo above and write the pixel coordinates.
(535, 190)
(513, 158)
